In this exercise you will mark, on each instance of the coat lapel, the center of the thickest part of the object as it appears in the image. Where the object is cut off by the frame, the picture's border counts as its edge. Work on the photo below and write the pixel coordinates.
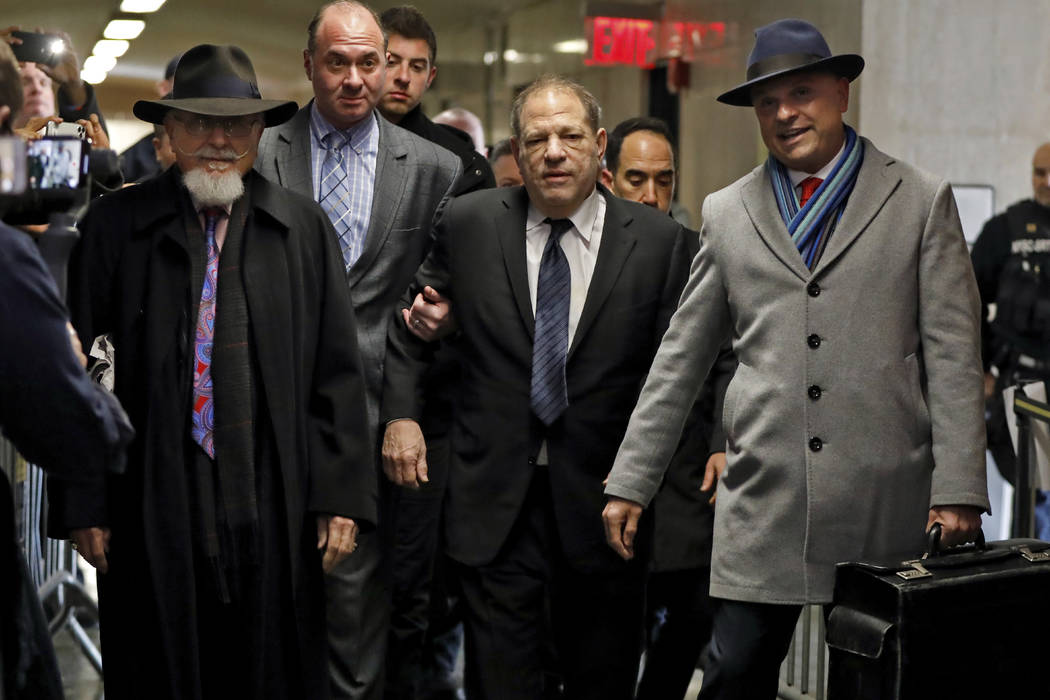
(386, 197)
(292, 159)
(761, 206)
(616, 245)
(875, 183)
(510, 224)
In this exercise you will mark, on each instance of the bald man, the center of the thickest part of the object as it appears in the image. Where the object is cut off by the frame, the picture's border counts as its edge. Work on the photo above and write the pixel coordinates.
(1011, 260)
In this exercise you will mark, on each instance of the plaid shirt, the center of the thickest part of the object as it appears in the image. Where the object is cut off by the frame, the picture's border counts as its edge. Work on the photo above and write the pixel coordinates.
(359, 153)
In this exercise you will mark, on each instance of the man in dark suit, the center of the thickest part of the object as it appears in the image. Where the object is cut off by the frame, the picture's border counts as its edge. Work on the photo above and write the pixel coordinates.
(236, 359)
(412, 48)
(560, 313)
(381, 186)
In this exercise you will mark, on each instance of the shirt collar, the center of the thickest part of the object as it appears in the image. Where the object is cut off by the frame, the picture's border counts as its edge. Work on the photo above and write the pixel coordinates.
(798, 176)
(358, 134)
(582, 219)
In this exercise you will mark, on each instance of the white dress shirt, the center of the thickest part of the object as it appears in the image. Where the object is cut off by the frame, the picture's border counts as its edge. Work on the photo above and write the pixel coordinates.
(797, 176)
(580, 245)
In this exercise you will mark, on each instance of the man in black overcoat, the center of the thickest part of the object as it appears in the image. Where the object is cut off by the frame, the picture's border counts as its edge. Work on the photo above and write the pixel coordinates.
(236, 358)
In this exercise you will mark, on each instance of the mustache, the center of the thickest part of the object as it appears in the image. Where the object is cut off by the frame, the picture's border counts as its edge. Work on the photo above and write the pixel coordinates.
(213, 153)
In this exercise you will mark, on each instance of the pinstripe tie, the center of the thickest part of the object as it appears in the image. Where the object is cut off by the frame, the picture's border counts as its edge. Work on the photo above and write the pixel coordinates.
(335, 194)
(549, 396)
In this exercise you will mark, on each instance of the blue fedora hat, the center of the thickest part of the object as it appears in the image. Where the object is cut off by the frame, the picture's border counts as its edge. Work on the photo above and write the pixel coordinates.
(787, 46)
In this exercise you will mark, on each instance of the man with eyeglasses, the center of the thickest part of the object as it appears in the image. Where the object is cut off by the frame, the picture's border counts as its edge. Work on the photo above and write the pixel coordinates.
(236, 357)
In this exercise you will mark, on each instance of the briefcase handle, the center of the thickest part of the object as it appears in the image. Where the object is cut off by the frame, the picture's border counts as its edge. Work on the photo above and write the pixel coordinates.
(933, 542)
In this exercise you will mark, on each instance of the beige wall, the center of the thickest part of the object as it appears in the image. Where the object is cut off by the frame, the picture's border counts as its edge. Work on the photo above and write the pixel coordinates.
(959, 87)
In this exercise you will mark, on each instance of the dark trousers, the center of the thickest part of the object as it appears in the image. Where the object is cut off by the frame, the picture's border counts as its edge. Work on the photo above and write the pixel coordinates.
(416, 524)
(596, 618)
(679, 616)
(748, 643)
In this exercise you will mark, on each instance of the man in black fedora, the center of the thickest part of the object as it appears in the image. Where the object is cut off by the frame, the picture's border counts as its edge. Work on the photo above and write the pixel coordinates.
(854, 420)
(236, 359)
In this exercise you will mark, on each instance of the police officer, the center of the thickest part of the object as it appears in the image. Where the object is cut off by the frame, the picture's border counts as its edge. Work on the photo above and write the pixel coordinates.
(1011, 260)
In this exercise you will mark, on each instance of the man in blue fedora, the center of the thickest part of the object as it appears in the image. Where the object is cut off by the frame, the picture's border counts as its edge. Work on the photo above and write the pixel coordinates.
(854, 421)
(236, 358)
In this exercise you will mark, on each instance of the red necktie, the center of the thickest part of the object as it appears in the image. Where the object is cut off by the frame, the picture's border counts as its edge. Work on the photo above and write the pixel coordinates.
(808, 187)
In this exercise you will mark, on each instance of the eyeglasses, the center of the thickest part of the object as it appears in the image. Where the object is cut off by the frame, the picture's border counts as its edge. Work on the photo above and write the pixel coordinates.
(234, 127)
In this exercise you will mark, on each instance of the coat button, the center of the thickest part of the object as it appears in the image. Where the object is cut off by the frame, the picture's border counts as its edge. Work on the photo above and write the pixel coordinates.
(816, 444)
(532, 461)
(813, 289)
(814, 392)
(813, 341)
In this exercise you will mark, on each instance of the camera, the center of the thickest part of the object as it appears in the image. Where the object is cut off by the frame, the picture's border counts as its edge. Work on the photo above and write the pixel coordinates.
(38, 48)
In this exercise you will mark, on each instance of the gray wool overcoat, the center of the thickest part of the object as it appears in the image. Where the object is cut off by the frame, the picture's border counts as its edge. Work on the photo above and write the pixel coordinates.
(858, 400)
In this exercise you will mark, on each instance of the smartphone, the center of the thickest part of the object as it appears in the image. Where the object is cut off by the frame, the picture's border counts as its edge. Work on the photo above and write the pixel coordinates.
(38, 48)
(56, 164)
(63, 129)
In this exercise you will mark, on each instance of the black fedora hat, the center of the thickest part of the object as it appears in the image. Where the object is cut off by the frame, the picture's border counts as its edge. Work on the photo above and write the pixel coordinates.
(218, 81)
(786, 46)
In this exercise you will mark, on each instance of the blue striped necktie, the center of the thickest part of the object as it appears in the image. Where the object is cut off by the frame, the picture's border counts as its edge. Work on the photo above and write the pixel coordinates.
(550, 344)
(335, 193)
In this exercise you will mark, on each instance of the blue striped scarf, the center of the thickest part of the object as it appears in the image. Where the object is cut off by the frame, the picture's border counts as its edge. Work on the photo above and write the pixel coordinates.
(812, 225)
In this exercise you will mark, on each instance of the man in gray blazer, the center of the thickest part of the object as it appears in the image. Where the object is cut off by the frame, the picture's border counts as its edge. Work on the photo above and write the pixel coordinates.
(381, 186)
(855, 417)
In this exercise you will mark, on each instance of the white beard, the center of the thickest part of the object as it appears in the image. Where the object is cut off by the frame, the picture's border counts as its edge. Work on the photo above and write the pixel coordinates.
(214, 190)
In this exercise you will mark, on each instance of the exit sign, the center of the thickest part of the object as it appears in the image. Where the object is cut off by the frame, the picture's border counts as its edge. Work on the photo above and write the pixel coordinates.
(642, 42)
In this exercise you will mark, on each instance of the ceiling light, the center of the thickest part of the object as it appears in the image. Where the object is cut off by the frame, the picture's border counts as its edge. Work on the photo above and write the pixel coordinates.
(110, 47)
(490, 57)
(571, 46)
(123, 28)
(510, 55)
(103, 64)
(141, 5)
(92, 76)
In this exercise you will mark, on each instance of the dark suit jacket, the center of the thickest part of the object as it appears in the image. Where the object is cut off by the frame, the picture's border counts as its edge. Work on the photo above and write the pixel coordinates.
(479, 261)
(477, 173)
(412, 177)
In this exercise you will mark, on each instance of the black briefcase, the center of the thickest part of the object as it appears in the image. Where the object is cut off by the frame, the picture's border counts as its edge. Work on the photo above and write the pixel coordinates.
(970, 623)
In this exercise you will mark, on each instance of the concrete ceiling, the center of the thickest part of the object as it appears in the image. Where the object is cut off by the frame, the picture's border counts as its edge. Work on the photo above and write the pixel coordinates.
(272, 32)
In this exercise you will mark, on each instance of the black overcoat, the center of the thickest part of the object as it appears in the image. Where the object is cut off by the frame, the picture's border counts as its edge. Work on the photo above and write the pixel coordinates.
(131, 278)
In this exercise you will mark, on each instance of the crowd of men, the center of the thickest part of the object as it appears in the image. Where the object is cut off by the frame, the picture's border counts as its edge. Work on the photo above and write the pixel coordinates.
(371, 372)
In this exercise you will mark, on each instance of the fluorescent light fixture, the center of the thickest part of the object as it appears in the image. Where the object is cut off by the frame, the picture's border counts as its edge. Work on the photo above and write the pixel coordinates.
(123, 28)
(92, 76)
(110, 47)
(571, 46)
(99, 64)
(490, 57)
(141, 5)
(511, 56)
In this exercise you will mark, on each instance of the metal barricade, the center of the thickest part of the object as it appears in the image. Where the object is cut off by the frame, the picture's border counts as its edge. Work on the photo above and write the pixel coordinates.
(52, 563)
(1026, 410)
(804, 672)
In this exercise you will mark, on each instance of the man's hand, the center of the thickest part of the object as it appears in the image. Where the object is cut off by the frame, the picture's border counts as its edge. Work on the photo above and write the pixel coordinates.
(430, 317)
(94, 131)
(716, 464)
(33, 125)
(92, 543)
(337, 536)
(405, 453)
(621, 525)
(959, 524)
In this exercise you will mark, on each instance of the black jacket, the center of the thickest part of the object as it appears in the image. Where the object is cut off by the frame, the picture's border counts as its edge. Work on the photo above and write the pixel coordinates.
(477, 173)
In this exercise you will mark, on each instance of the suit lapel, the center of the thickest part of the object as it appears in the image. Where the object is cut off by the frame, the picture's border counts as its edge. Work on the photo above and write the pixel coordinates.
(761, 206)
(292, 159)
(616, 245)
(510, 224)
(875, 183)
(389, 188)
